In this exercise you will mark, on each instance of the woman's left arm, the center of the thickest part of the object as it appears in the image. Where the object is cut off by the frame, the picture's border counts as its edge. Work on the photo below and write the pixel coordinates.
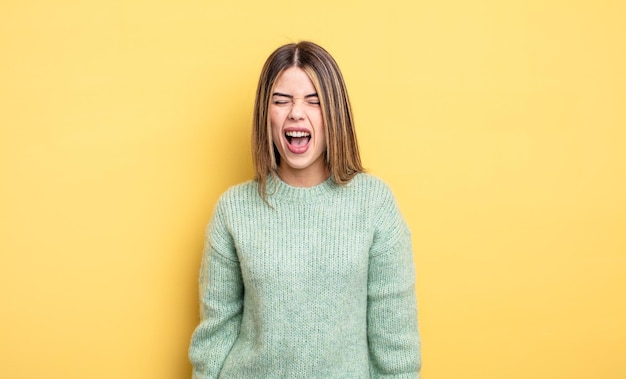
(393, 336)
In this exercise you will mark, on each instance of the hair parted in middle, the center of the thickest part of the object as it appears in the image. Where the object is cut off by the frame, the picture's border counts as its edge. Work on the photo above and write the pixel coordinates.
(342, 152)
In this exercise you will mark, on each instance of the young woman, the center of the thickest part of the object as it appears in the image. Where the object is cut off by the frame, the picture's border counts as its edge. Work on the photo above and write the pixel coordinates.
(307, 270)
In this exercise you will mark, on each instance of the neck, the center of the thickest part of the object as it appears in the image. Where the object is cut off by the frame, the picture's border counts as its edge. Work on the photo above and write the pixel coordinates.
(303, 178)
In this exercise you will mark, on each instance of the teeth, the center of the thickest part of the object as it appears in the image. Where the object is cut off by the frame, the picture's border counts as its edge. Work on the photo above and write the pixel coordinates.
(297, 134)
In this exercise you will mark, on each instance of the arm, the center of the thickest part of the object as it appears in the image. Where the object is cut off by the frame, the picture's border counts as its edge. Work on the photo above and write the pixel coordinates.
(393, 336)
(221, 302)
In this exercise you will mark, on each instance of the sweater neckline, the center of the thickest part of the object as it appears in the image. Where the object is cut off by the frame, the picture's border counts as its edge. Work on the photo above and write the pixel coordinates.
(278, 190)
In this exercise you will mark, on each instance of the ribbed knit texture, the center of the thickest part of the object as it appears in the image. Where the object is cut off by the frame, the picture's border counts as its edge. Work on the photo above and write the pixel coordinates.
(320, 285)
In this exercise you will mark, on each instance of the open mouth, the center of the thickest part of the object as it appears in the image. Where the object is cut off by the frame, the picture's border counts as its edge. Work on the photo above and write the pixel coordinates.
(298, 138)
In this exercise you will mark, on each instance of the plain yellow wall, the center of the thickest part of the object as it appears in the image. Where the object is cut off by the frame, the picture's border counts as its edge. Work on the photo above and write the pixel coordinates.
(499, 125)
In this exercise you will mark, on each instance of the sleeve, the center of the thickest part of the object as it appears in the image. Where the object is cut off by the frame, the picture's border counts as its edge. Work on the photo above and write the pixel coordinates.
(221, 301)
(393, 336)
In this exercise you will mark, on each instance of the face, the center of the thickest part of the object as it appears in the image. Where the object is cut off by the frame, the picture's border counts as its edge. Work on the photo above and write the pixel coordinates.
(298, 129)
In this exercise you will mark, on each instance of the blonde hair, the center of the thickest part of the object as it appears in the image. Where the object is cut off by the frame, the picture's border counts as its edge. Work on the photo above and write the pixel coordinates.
(342, 151)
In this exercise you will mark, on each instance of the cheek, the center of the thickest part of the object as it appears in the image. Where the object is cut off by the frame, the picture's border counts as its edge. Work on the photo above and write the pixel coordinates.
(276, 116)
(274, 122)
(276, 127)
(318, 121)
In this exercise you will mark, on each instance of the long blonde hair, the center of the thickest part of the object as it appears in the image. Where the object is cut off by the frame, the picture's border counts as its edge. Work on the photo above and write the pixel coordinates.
(342, 151)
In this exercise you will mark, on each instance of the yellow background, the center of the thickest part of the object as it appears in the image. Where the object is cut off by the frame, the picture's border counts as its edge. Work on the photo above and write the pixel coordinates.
(499, 125)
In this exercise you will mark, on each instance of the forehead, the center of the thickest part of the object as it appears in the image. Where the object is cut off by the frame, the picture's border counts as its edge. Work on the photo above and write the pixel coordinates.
(294, 81)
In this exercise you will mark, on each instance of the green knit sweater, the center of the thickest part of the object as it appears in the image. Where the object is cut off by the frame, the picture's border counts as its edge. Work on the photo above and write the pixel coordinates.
(319, 285)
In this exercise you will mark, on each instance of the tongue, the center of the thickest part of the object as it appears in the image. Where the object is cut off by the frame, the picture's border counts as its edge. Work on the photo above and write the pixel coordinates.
(299, 141)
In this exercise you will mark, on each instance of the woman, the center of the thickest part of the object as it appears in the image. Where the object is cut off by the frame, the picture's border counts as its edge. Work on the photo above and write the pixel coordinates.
(307, 270)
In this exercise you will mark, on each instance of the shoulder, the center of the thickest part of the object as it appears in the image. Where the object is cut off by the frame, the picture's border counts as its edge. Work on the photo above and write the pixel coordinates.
(237, 198)
(379, 197)
(239, 192)
(371, 187)
(368, 181)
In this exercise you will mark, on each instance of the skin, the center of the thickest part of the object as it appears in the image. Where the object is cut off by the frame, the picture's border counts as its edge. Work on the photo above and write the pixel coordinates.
(295, 108)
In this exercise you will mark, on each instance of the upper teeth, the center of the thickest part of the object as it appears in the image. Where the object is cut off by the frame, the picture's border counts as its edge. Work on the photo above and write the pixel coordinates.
(297, 134)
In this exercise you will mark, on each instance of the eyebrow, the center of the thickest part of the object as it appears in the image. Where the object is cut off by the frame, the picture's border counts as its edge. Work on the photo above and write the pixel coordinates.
(291, 97)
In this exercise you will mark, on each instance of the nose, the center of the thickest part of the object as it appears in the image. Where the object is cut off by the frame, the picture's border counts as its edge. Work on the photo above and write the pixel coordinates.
(296, 112)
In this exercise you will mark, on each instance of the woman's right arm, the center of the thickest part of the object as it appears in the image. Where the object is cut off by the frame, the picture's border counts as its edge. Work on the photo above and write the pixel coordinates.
(221, 302)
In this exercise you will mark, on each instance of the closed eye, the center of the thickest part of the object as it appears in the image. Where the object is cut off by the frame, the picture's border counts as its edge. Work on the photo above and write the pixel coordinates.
(284, 99)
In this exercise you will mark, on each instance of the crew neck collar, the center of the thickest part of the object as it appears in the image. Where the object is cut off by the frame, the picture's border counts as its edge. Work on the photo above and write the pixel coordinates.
(278, 190)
